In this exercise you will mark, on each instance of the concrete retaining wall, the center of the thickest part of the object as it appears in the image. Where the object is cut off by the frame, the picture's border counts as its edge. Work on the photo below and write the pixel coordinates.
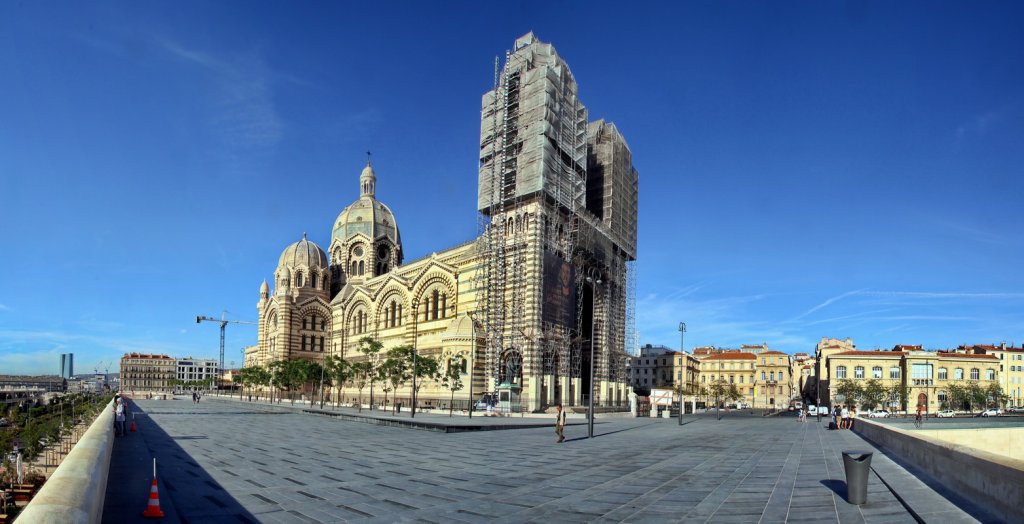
(75, 491)
(990, 480)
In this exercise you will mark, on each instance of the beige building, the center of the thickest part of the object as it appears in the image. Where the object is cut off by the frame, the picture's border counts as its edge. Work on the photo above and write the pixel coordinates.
(513, 309)
(658, 367)
(732, 367)
(141, 372)
(926, 375)
(774, 380)
(1011, 369)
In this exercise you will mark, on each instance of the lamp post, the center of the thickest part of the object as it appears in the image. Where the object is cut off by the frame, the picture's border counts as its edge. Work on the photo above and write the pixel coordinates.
(682, 349)
(593, 321)
(415, 334)
(472, 362)
(682, 336)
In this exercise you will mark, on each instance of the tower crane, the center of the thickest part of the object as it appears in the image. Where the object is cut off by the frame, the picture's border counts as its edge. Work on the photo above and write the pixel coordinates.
(223, 324)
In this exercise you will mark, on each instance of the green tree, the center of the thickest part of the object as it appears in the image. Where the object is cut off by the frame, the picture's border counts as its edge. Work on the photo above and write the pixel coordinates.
(360, 378)
(850, 390)
(995, 395)
(902, 394)
(718, 389)
(340, 371)
(452, 381)
(977, 395)
(371, 348)
(873, 394)
(425, 368)
(260, 376)
(396, 369)
(956, 395)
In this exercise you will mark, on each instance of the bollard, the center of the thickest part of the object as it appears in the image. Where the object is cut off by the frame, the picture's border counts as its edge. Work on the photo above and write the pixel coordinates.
(857, 465)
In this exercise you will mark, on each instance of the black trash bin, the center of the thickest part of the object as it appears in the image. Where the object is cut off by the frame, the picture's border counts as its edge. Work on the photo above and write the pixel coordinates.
(857, 465)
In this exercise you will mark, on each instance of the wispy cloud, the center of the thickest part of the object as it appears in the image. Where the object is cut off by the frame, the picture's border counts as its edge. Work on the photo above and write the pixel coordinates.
(247, 116)
(5, 307)
(970, 232)
(827, 303)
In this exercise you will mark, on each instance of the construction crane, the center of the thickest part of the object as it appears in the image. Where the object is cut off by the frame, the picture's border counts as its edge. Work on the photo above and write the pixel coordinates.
(223, 324)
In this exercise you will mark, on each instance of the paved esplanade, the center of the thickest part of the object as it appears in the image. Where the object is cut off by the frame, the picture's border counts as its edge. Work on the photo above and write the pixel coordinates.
(226, 461)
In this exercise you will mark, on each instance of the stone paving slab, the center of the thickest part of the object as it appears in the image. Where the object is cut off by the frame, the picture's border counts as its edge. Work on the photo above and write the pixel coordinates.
(232, 462)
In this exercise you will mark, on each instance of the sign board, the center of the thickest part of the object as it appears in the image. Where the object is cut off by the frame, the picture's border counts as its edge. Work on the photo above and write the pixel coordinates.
(662, 397)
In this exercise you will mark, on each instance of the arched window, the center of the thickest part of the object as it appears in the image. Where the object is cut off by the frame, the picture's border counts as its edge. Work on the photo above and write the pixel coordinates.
(378, 269)
(841, 372)
(943, 374)
(943, 397)
(858, 372)
(361, 267)
(764, 376)
(354, 269)
(990, 374)
(312, 280)
(434, 302)
(975, 374)
(303, 342)
(305, 323)
(958, 374)
(321, 344)
(876, 372)
(298, 279)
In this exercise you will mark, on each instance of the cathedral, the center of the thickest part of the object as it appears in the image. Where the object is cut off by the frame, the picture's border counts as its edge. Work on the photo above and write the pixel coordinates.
(537, 310)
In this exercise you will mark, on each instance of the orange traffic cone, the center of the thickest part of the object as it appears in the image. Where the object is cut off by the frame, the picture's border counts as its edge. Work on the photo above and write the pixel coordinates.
(133, 423)
(153, 509)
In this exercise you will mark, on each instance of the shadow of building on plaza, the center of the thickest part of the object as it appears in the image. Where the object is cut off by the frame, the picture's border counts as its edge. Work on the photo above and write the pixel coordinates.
(187, 492)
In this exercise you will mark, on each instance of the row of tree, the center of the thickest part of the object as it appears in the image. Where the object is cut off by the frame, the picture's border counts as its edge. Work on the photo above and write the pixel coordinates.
(392, 369)
(874, 393)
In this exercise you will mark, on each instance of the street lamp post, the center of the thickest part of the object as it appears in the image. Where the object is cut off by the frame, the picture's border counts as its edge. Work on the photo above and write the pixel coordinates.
(682, 372)
(472, 362)
(415, 334)
(593, 321)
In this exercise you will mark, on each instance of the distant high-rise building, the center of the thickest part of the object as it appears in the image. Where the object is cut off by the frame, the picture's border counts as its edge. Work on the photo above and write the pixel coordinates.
(67, 365)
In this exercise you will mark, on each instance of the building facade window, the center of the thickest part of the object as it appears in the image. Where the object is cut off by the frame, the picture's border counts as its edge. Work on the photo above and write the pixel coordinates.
(958, 374)
(876, 372)
(990, 374)
(841, 372)
(975, 374)
(858, 372)
(943, 374)
(894, 372)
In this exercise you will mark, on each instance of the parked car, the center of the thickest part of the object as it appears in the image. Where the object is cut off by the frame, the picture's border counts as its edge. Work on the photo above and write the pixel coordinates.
(991, 412)
(880, 413)
(946, 413)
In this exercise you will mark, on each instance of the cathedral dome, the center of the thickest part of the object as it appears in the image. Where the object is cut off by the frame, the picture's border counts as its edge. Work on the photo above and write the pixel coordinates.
(367, 215)
(303, 253)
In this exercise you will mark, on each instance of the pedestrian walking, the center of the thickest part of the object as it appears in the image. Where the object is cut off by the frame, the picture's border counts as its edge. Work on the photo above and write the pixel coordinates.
(560, 423)
(119, 418)
(853, 416)
(844, 415)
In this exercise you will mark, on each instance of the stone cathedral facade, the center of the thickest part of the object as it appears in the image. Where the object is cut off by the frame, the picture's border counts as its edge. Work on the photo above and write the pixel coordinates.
(517, 309)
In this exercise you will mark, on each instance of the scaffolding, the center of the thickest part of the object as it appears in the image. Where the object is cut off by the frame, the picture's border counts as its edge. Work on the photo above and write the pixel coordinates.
(533, 204)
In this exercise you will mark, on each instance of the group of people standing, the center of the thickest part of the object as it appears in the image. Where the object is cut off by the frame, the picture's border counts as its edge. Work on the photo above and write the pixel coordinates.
(196, 397)
(843, 416)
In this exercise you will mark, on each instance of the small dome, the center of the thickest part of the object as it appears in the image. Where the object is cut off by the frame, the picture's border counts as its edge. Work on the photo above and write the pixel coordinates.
(264, 288)
(460, 328)
(303, 253)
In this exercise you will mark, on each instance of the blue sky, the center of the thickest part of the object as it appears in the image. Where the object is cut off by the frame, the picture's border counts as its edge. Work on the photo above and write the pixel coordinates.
(807, 169)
